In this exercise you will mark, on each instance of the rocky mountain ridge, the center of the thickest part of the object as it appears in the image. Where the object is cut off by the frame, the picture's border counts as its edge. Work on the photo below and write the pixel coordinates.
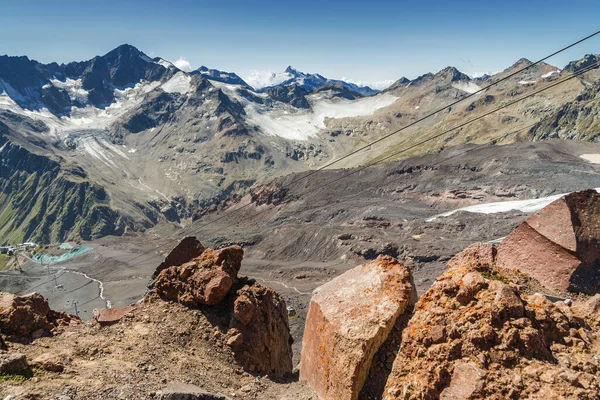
(166, 145)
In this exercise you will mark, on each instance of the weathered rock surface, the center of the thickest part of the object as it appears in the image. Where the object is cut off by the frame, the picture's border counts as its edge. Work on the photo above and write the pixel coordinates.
(188, 249)
(13, 363)
(48, 362)
(205, 280)
(109, 316)
(474, 334)
(348, 320)
(253, 317)
(30, 315)
(260, 335)
(560, 245)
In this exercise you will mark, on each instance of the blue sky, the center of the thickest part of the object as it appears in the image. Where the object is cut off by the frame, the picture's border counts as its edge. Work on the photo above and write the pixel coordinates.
(362, 40)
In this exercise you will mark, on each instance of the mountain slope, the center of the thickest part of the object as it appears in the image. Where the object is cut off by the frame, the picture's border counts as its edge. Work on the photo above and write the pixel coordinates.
(164, 144)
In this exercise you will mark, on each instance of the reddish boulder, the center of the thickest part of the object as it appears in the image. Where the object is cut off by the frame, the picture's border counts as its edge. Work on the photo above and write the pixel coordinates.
(348, 320)
(205, 280)
(500, 344)
(256, 316)
(109, 316)
(188, 249)
(22, 316)
(559, 245)
(260, 335)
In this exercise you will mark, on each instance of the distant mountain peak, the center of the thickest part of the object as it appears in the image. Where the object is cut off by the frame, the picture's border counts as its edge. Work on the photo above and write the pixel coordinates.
(453, 73)
(293, 71)
(520, 63)
(220, 76)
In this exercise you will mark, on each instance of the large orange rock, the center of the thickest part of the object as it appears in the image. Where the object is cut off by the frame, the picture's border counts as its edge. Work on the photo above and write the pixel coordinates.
(204, 280)
(185, 251)
(475, 335)
(559, 245)
(348, 320)
(24, 316)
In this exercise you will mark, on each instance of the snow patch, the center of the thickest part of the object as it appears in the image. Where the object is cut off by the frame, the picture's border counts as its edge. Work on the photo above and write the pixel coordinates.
(526, 82)
(165, 63)
(179, 83)
(301, 125)
(262, 79)
(592, 158)
(527, 206)
(549, 74)
(468, 87)
(92, 143)
(377, 85)
(283, 120)
(74, 87)
(88, 117)
(11, 92)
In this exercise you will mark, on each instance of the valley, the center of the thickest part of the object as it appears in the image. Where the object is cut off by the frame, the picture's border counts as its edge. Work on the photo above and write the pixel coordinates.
(393, 209)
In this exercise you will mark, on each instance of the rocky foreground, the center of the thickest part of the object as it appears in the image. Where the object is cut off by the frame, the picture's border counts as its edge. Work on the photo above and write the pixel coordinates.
(520, 321)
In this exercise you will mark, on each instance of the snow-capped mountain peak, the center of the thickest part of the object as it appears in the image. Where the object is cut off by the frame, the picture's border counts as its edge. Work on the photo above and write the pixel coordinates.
(220, 76)
(263, 81)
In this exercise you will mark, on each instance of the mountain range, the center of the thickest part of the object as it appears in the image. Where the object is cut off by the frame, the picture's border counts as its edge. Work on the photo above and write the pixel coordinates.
(124, 142)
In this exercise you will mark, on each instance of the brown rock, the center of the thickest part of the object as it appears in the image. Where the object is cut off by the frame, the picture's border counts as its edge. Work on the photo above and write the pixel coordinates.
(188, 249)
(48, 362)
(507, 303)
(205, 280)
(263, 344)
(109, 316)
(13, 363)
(348, 320)
(590, 309)
(528, 251)
(471, 284)
(467, 378)
(21, 316)
(235, 340)
(478, 256)
(559, 245)
(243, 309)
(498, 345)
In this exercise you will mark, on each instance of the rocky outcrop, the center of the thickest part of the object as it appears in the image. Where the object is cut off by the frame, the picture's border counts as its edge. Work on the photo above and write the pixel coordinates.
(348, 320)
(30, 316)
(204, 280)
(186, 250)
(475, 334)
(259, 333)
(253, 317)
(560, 245)
(273, 194)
